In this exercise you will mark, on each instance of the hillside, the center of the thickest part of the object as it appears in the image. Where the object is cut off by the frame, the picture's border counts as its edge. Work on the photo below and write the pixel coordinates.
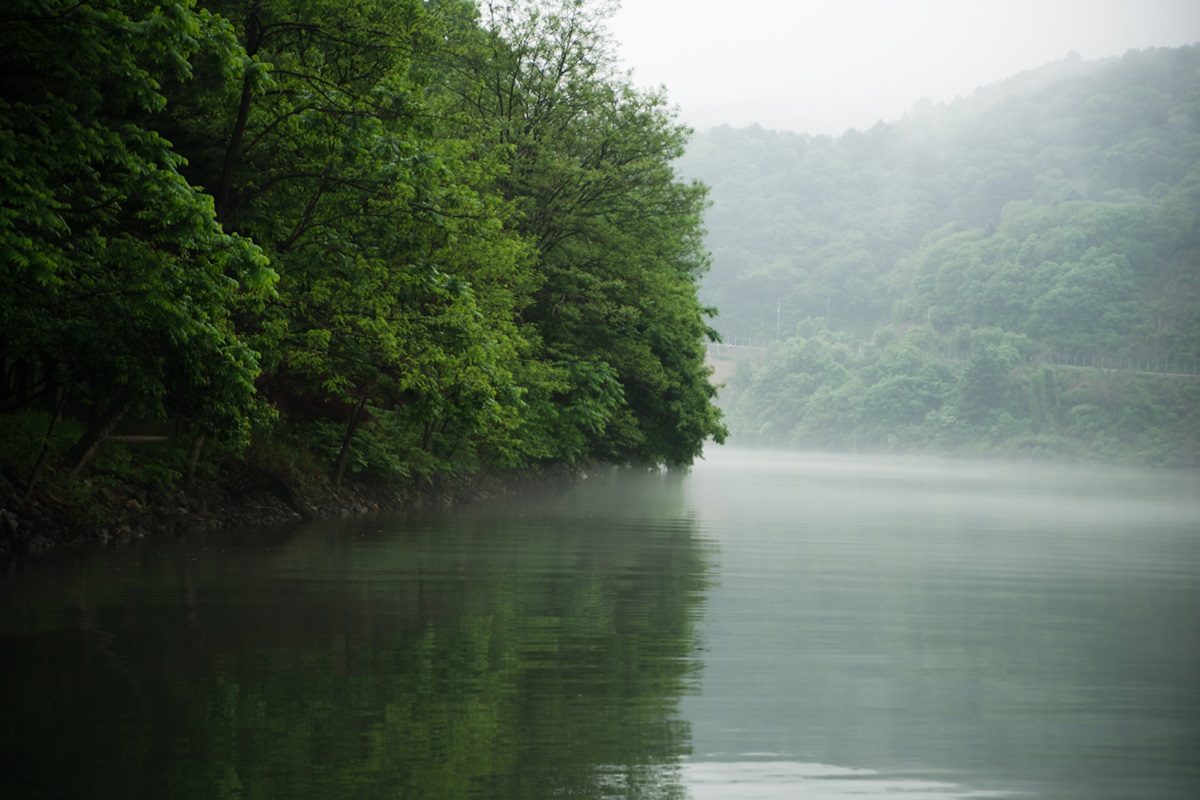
(1051, 219)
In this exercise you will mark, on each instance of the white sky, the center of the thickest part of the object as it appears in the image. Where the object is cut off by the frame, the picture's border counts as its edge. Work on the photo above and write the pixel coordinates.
(822, 66)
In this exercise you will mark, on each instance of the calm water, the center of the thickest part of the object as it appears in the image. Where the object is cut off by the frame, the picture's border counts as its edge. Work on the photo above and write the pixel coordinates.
(767, 627)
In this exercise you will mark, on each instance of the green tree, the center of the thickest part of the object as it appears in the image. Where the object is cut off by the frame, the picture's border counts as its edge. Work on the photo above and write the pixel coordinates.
(777, 402)
(399, 283)
(1090, 307)
(118, 282)
(617, 234)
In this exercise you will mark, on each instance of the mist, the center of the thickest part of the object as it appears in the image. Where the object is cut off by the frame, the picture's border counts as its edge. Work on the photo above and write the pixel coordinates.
(824, 67)
(1010, 273)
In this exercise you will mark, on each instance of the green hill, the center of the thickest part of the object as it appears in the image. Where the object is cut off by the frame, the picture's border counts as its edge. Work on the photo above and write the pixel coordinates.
(1047, 222)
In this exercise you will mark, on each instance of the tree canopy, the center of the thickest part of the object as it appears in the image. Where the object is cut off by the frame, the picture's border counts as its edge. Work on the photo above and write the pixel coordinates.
(414, 237)
(119, 283)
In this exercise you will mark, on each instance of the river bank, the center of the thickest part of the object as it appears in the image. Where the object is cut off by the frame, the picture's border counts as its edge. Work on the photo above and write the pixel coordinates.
(60, 514)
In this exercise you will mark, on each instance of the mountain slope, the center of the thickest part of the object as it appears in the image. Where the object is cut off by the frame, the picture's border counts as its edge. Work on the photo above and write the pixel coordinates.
(927, 280)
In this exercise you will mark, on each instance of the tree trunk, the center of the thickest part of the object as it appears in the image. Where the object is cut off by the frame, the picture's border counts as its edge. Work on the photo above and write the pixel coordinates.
(340, 470)
(233, 149)
(59, 402)
(83, 450)
(193, 459)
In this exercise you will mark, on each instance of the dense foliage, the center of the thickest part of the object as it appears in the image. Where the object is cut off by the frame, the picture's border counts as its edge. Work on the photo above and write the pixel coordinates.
(408, 237)
(925, 272)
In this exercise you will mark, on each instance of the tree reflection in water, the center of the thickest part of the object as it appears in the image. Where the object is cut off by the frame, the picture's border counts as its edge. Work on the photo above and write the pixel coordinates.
(530, 650)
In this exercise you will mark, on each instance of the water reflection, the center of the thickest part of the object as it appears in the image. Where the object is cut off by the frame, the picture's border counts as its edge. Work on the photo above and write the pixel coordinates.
(539, 649)
(934, 629)
(1006, 627)
(787, 780)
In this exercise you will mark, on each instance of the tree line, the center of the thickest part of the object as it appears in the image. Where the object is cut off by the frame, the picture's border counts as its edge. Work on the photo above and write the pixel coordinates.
(897, 392)
(407, 238)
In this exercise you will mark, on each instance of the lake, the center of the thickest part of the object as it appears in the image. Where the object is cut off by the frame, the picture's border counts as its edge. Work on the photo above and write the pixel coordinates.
(768, 626)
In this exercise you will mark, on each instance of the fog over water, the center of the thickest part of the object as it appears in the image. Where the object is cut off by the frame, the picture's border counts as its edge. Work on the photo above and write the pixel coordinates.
(768, 626)
(765, 625)
(998, 629)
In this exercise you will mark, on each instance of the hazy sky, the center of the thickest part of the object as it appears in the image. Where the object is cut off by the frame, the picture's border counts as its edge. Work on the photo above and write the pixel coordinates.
(822, 66)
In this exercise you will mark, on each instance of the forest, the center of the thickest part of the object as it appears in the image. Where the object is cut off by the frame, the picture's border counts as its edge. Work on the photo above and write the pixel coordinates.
(1012, 273)
(379, 240)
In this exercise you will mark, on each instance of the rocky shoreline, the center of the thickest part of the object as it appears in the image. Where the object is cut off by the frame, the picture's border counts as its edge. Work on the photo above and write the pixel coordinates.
(125, 512)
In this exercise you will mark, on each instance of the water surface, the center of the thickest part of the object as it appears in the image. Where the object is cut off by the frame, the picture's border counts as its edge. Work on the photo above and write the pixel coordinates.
(769, 626)
(976, 627)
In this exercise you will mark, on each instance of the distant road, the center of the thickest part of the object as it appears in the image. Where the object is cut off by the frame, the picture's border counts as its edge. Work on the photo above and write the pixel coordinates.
(758, 352)
(728, 350)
